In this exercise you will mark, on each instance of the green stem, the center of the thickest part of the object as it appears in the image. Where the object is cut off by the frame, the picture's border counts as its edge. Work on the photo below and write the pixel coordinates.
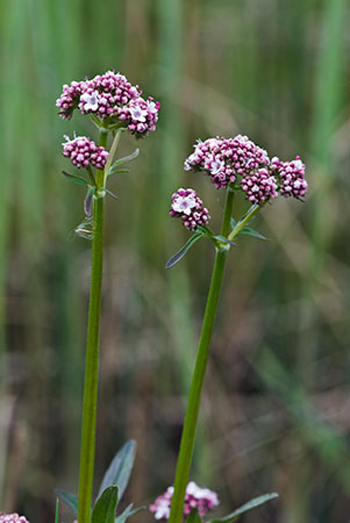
(241, 224)
(191, 418)
(88, 434)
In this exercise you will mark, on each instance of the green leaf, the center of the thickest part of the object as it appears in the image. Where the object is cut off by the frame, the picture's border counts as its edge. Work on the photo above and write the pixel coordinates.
(181, 253)
(76, 179)
(127, 513)
(104, 510)
(194, 517)
(120, 171)
(125, 159)
(256, 502)
(70, 499)
(111, 193)
(57, 516)
(88, 201)
(224, 240)
(233, 223)
(251, 232)
(128, 158)
(118, 473)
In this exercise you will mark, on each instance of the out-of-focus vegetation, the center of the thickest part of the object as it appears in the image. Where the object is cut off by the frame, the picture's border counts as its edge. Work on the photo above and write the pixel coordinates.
(276, 410)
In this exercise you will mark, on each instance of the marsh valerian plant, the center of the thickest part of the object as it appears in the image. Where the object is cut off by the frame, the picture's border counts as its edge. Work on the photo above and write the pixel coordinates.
(235, 165)
(238, 166)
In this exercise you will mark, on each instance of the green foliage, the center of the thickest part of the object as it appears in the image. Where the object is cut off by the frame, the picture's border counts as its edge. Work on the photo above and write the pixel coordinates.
(104, 510)
(119, 471)
(256, 502)
(194, 517)
(70, 499)
(184, 250)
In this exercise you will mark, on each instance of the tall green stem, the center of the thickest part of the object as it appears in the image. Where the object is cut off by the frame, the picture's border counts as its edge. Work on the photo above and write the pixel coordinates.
(88, 434)
(191, 418)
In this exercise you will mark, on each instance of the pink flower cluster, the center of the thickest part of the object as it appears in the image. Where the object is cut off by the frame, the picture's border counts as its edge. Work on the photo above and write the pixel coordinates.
(223, 159)
(187, 205)
(291, 175)
(260, 186)
(241, 162)
(196, 497)
(111, 96)
(12, 518)
(84, 152)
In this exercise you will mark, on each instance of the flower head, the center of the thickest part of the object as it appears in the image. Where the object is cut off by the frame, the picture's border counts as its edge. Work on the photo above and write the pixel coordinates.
(196, 497)
(84, 152)
(292, 177)
(187, 205)
(12, 518)
(110, 96)
(224, 159)
(140, 116)
(240, 162)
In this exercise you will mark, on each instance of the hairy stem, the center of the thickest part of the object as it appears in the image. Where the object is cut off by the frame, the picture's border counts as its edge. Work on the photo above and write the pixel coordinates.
(191, 418)
(88, 433)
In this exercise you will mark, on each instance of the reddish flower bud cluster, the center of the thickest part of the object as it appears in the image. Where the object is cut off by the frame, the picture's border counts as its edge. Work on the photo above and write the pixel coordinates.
(241, 162)
(291, 175)
(260, 186)
(111, 96)
(12, 518)
(84, 152)
(187, 205)
(196, 497)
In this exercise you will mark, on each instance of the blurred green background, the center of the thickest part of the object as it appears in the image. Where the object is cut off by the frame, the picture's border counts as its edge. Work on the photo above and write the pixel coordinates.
(275, 413)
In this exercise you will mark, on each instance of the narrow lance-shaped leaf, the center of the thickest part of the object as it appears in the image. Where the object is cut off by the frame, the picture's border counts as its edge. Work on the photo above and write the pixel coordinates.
(118, 473)
(76, 179)
(127, 513)
(224, 240)
(88, 202)
(125, 159)
(233, 223)
(70, 499)
(104, 510)
(256, 502)
(181, 253)
(251, 232)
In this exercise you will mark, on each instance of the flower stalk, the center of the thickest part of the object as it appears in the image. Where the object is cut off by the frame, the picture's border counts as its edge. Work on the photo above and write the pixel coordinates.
(88, 434)
(191, 418)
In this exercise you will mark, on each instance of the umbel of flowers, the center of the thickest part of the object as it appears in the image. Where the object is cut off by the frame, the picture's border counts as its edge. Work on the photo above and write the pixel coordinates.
(242, 165)
(113, 100)
(196, 497)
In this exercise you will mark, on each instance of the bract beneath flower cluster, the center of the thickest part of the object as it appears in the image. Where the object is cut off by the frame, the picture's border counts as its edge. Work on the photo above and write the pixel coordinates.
(196, 497)
(241, 163)
(111, 96)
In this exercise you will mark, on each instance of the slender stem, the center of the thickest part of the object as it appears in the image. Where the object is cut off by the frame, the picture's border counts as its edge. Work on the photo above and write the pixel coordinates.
(191, 418)
(241, 224)
(112, 154)
(88, 434)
